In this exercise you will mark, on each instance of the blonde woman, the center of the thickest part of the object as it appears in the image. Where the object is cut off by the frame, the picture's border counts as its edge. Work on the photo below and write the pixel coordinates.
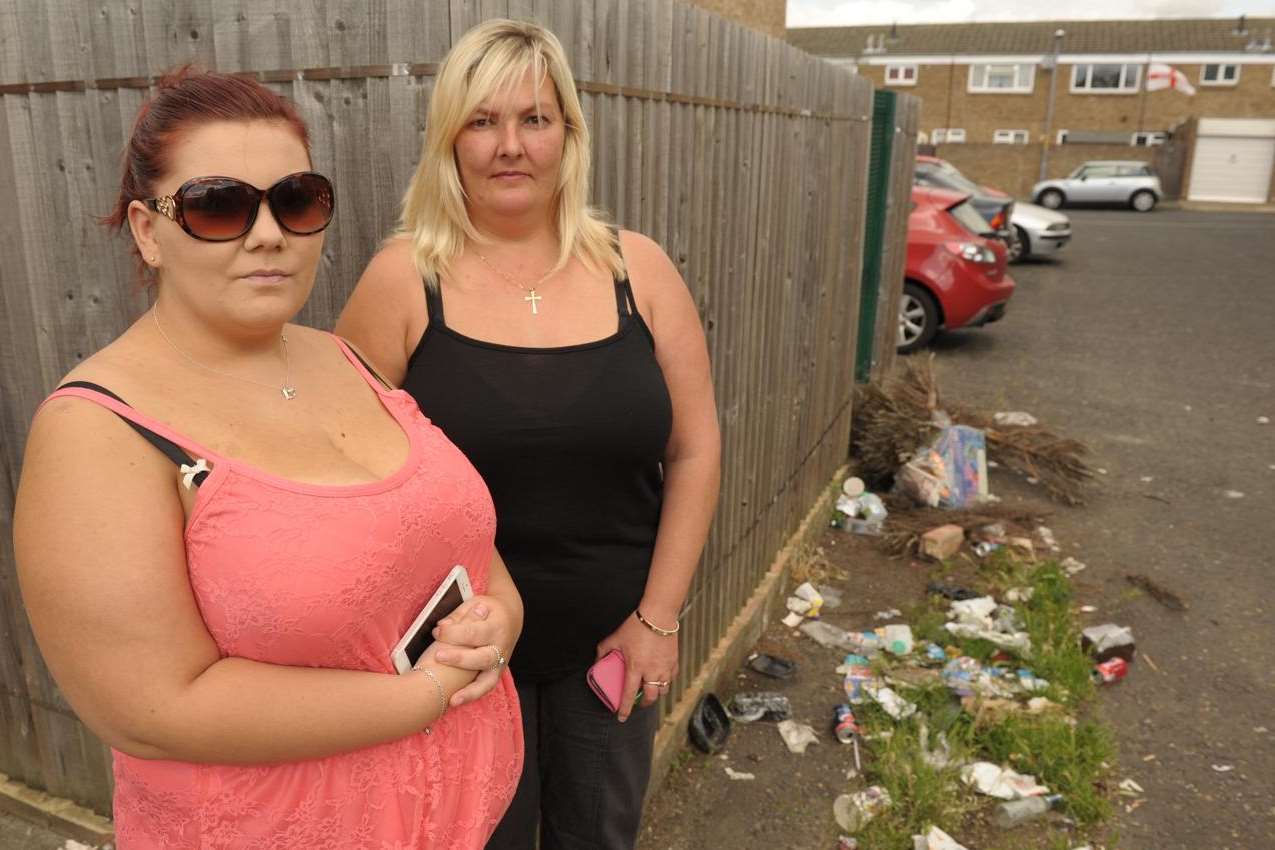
(569, 364)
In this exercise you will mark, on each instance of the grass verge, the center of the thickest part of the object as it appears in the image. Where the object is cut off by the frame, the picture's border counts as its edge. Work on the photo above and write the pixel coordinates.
(1065, 749)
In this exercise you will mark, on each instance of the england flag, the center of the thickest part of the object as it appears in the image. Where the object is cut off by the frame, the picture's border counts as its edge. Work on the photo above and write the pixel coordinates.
(1160, 76)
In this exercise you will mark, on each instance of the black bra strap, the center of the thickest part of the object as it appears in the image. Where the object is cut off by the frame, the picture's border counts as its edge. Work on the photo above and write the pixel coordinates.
(434, 301)
(624, 298)
(171, 450)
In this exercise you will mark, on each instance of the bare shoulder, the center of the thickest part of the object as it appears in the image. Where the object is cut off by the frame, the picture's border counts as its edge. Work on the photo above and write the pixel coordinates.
(649, 267)
(392, 268)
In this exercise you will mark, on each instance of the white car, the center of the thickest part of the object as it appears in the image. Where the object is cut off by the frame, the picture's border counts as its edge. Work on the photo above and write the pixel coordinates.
(1037, 231)
(1130, 182)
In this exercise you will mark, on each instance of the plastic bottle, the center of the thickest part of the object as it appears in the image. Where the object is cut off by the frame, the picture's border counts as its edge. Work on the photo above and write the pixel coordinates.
(1015, 812)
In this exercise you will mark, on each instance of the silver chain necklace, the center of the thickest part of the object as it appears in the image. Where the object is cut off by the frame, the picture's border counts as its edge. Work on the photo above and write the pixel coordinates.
(531, 295)
(286, 389)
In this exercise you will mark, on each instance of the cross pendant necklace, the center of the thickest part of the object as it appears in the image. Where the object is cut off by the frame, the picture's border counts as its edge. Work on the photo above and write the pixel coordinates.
(531, 297)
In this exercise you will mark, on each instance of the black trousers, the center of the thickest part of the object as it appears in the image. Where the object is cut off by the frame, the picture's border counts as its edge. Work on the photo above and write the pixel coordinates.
(585, 773)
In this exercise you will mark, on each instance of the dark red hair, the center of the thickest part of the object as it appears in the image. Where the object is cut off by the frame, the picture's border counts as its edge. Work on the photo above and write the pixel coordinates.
(186, 98)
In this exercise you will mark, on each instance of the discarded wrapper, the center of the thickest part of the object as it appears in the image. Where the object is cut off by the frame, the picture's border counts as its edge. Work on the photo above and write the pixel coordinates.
(936, 839)
(1001, 782)
(853, 811)
(797, 736)
(1108, 641)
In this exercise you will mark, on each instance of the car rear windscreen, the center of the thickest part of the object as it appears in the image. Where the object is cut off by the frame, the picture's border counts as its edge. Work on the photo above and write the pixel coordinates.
(969, 218)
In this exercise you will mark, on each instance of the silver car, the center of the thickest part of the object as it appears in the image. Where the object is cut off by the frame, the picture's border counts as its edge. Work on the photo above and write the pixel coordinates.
(1129, 182)
(1037, 231)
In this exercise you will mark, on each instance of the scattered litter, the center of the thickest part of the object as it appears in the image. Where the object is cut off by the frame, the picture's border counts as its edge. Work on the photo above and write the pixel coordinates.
(894, 705)
(797, 736)
(1147, 479)
(831, 596)
(858, 677)
(1042, 705)
(771, 665)
(845, 842)
(792, 619)
(1031, 479)
(936, 839)
(828, 635)
(1016, 418)
(1024, 545)
(739, 774)
(1101, 471)
(943, 542)
(853, 487)
(1088, 609)
(951, 591)
(1108, 641)
(1263, 420)
(759, 705)
(805, 601)
(1111, 671)
(1233, 494)
(1016, 812)
(965, 677)
(1134, 805)
(982, 549)
(1130, 788)
(888, 614)
(976, 610)
(709, 726)
(861, 512)
(1224, 768)
(1002, 782)
(1019, 594)
(939, 757)
(1046, 536)
(853, 811)
(1017, 642)
(1071, 566)
(896, 639)
(1156, 591)
(72, 844)
(1261, 730)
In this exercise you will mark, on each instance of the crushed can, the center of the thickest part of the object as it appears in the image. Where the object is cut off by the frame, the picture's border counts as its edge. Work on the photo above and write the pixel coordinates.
(1111, 670)
(844, 726)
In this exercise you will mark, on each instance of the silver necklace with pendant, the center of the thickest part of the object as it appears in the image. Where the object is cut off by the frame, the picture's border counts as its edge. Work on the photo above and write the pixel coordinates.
(286, 389)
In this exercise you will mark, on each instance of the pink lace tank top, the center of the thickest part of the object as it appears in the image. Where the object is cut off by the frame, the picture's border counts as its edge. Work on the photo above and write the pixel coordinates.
(331, 576)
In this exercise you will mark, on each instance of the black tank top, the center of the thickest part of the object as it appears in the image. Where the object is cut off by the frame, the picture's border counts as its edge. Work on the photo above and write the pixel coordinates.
(570, 441)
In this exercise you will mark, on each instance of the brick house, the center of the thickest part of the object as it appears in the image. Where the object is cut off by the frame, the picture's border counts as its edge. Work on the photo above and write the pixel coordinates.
(985, 90)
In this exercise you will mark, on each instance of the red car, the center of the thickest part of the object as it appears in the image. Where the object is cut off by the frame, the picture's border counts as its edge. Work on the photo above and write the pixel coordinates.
(955, 274)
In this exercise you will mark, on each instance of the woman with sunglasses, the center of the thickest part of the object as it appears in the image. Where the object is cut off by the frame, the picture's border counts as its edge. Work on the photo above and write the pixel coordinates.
(569, 364)
(218, 568)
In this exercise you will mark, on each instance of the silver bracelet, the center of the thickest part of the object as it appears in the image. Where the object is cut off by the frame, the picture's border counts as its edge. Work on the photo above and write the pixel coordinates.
(442, 698)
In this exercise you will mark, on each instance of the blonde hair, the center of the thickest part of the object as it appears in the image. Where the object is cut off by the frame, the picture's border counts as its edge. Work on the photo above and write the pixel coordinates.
(489, 59)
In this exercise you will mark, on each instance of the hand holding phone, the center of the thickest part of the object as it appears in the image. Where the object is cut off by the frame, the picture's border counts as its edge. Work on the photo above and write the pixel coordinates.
(453, 591)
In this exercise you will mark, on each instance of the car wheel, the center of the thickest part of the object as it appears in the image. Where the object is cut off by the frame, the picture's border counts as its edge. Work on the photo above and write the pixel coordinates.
(1020, 245)
(918, 318)
(1051, 199)
(1143, 201)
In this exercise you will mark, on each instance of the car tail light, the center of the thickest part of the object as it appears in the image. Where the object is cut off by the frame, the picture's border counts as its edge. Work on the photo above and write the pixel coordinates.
(998, 220)
(973, 252)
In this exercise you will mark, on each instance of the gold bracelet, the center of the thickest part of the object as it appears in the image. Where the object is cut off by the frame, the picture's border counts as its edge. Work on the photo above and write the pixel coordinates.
(442, 698)
(661, 632)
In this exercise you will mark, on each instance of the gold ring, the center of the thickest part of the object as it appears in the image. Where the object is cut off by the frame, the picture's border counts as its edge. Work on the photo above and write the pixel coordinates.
(656, 684)
(500, 657)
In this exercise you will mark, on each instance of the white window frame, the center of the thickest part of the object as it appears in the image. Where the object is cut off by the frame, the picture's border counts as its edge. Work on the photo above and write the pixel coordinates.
(1221, 78)
(1150, 139)
(1024, 78)
(1126, 86)
(948, 136)
(1011, 137)
(897, 70)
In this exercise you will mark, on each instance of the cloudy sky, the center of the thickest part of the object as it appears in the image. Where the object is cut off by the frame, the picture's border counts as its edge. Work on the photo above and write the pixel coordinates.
(826, 13)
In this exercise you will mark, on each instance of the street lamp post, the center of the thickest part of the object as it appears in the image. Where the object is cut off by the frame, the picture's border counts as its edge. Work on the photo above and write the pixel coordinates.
(1049, 105)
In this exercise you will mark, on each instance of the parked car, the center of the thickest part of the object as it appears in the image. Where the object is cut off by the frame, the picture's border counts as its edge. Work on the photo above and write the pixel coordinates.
(954, 277)
(1035, 230)
(1103, 182)
(996, 207)
(1038, 231)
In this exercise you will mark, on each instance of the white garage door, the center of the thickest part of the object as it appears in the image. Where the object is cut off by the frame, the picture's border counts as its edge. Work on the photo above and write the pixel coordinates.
(1234, 163)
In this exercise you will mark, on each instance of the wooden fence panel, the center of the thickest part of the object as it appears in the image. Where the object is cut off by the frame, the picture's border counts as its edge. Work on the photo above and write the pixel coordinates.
(740, 155)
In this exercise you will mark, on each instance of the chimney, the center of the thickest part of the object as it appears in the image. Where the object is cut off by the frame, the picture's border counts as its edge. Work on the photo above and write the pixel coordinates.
(1241, 28)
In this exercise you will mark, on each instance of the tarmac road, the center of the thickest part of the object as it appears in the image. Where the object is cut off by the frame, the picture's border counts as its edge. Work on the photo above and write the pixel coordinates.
(1152, 339)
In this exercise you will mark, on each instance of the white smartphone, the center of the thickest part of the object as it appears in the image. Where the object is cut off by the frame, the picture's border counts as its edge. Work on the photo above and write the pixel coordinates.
(451, 593)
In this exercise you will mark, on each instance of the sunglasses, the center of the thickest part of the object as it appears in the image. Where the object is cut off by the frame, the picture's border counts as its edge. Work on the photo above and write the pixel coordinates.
(219, 209)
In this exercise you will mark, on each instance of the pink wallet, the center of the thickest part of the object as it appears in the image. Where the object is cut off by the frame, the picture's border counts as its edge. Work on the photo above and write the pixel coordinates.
(606, 678)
